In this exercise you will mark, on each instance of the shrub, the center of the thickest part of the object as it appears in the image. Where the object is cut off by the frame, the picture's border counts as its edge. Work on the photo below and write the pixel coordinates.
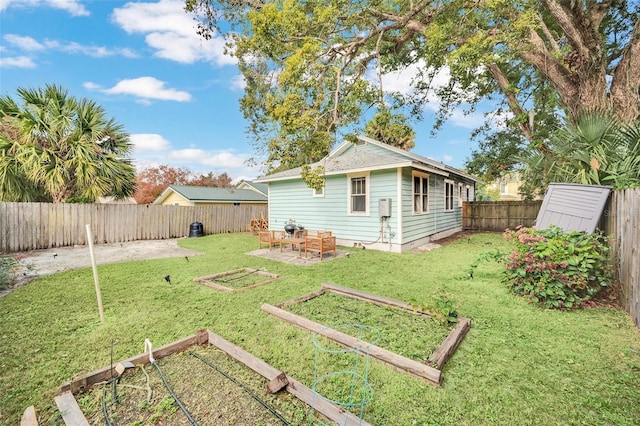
(555, 269)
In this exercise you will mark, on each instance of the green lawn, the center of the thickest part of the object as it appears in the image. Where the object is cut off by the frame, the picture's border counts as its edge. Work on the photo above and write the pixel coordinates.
(518, 364)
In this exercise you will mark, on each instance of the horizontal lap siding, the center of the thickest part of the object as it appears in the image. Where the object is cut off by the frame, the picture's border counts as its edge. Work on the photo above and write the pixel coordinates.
(417, 226)
(294, 200)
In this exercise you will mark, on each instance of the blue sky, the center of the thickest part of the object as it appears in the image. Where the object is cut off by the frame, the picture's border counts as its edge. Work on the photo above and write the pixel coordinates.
(175, 93)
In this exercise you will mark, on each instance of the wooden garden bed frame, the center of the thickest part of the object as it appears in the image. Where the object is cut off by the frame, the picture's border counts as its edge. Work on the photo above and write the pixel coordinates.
(278, 380)
(431, 371)
(209, 280)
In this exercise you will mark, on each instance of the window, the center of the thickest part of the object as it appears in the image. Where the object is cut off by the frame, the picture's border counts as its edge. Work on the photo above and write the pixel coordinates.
(460, 194)
(420, 193)
(358, 194)
(468, 193)
(448, 195)
(318, 192)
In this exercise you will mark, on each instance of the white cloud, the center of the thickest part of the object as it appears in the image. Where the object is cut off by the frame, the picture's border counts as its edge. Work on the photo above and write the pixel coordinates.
(171, 32)
(17, 62)
(219, 159)
(447, 158)
(146, 88)
(145, 142)
(74, 7)
(238, 82)
(29, 44)
(23, 42)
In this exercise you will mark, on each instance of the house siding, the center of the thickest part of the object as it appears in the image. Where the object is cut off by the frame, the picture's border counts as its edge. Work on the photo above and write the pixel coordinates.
(418, 226)
(294, 200)
(174, 199)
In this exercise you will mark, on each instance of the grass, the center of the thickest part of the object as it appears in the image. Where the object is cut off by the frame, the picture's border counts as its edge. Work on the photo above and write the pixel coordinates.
(517, 365)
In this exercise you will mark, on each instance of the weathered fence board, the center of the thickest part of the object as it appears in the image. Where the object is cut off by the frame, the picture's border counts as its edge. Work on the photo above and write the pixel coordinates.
(621, 222)
(32, 226)
(499, 215)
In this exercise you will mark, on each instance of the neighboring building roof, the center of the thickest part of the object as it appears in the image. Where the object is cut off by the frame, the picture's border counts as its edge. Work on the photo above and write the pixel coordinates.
(339, 162)
(203, 194)
(572, 207)
(114, 200)
(261, 188)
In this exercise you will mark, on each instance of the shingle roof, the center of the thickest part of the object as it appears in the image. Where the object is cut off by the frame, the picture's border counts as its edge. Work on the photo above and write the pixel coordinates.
(338, 163)
(207, 193)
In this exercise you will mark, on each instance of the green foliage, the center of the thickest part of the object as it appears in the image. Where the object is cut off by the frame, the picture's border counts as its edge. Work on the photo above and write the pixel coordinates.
(495, 255)
(391, 129)
(556, 269)
(314, 68)
(562, 359)
(59, 147)
(597, 149)
(441, 309)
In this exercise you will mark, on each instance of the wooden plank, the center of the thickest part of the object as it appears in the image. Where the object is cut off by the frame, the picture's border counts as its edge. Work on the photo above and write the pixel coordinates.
(29, 417)
(300, 299)
(441, 355)
(70, 411)
(373, 298)
(297, 389)
(103, 374)
(430, 374)
(277, 383)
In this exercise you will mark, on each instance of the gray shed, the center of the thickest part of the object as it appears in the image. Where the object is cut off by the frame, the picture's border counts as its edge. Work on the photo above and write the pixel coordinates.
(572, 207)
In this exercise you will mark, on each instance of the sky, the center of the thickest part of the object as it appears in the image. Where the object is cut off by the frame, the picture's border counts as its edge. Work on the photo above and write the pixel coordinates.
(176, 94)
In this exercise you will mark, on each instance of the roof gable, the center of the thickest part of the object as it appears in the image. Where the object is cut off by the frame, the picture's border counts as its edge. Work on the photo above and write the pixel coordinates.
(212, 194)
(365, 155)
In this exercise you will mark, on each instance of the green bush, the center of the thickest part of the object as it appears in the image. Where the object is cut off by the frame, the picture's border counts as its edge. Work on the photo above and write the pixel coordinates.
(555, 269)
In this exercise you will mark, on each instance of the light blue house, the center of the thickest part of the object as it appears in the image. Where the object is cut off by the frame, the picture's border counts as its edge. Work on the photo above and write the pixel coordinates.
(375, 196)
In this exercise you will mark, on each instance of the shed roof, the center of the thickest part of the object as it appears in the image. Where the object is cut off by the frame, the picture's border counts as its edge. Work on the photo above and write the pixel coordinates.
(572, 207)
(212, 194)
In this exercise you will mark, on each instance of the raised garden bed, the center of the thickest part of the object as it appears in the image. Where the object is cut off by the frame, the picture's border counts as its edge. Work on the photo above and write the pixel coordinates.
(428, 368)
(238, 279)
(195, 366)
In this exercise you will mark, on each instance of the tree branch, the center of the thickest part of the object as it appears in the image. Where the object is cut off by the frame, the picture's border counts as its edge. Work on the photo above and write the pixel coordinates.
(512, 100)
(626, 77)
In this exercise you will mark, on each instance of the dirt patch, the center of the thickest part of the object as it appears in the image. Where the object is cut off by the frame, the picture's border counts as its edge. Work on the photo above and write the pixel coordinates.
(36, 263)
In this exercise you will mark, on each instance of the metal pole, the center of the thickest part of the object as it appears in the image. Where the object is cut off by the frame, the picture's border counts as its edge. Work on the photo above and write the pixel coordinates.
(95, 272)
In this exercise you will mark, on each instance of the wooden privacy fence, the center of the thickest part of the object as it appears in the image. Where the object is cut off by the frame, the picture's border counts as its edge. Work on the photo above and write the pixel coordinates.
(499, 215)
(31, 226)
(621, 222)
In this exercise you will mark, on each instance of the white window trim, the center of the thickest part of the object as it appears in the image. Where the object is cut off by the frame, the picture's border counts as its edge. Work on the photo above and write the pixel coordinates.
(367, 189)
(317, 194)
(453, 188)
(460, 194)
(423, 176)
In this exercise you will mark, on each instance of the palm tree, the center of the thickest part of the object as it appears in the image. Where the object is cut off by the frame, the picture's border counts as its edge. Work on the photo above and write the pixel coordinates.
(596, 150)
(391, 129)
(67, 147)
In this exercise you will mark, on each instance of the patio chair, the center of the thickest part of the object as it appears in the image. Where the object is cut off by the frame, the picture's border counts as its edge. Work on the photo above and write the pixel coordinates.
(271, 238)
(322, 243)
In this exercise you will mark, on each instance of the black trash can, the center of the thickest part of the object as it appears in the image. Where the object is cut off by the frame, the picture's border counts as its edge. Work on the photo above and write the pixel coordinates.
(196, 230)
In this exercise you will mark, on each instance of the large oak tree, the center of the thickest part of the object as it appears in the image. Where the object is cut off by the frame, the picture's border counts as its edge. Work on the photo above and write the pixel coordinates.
(313, 67)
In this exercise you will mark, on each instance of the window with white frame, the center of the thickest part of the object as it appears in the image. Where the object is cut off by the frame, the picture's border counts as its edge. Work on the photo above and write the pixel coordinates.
(448, 195)
(318, 192)
(358, 194)
(460, 195)
(420, 192)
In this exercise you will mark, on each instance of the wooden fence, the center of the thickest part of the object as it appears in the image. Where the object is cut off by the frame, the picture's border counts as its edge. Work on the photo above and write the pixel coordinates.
(621, 222)
(499, 215)
(31, 226)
